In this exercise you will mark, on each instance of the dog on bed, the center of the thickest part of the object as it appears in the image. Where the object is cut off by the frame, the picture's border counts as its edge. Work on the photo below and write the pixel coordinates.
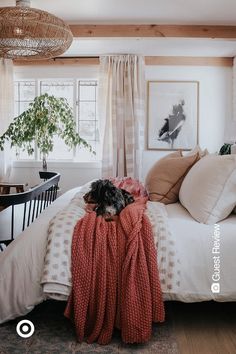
(106, 199)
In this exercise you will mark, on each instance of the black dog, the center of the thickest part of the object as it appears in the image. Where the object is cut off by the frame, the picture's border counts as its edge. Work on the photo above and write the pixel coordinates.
(108, 199)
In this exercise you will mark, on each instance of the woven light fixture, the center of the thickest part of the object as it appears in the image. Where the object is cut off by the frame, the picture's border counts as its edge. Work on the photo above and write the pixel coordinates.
(29, 33)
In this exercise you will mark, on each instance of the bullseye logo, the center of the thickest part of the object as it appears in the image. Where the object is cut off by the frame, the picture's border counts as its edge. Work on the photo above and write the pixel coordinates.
(25, 329)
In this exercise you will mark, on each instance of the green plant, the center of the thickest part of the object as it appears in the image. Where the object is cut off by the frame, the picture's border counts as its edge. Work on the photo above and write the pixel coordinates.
(46, 117)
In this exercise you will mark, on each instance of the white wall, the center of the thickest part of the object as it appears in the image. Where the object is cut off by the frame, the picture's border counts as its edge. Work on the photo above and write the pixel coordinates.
(215, 109)
(60, 71)
(72, 174)
(215, 103)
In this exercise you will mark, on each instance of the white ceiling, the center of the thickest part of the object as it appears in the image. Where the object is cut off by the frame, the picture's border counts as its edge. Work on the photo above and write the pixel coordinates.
(143, 12)
(139, 11)
(153, 46)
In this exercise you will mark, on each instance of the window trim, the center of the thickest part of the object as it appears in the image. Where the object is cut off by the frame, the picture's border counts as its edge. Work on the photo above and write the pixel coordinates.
(75, 154)
(57, 164)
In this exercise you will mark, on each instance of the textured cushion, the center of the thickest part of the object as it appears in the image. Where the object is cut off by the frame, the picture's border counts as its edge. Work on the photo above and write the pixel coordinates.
(208, 191)
(164, 179)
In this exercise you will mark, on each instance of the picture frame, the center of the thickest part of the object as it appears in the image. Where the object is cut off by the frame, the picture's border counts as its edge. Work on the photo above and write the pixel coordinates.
(172, 115)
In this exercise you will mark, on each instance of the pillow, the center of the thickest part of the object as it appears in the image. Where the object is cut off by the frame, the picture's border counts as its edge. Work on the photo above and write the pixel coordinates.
(208, 191)
(233, 149)
(164, 179)
(197, 149)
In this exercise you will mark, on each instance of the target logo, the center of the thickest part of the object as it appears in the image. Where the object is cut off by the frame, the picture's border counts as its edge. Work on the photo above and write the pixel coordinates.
(25, 329)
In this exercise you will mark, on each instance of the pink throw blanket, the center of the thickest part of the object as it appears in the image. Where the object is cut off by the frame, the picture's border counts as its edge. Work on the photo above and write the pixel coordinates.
(115, 281)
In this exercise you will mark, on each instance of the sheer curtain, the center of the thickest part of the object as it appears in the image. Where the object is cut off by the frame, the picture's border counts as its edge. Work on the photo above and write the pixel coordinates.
(121, 113)
(6, 113)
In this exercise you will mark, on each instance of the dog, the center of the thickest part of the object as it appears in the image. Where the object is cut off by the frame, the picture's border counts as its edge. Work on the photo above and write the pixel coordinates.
(106, 199)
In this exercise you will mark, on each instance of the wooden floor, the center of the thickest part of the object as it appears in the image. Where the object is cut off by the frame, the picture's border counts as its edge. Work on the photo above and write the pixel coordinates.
(204, 328)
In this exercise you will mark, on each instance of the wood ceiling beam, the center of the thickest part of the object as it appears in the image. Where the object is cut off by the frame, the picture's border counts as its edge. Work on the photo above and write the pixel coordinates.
(59, 61)
(189, 61)
(184, 31)
(149, 60)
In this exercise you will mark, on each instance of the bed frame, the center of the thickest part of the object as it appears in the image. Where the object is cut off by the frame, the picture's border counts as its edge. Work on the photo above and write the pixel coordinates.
(34, 201)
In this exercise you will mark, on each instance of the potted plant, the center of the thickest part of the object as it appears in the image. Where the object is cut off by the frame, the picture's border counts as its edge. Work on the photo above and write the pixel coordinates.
(46, 117)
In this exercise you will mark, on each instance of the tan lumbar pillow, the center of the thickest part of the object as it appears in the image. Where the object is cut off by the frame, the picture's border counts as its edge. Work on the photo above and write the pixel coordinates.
(208, 191)
(164, 179)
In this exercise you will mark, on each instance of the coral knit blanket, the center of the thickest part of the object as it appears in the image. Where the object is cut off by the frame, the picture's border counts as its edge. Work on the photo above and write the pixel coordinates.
(115, 281)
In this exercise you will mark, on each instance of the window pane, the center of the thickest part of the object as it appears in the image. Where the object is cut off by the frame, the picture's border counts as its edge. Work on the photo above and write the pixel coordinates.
(16, 91)
(60, 150)
(24, 94)
(23, 155)
(87, 130)
(27, 91)
(23, 106)
(87, 119)
(58, 89)
(87, 90)
(85, 155)
(87, 111)
(16, 109)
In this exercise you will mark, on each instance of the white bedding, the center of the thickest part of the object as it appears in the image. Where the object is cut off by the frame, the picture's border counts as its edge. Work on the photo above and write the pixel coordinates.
(21, 264)
(194, 243)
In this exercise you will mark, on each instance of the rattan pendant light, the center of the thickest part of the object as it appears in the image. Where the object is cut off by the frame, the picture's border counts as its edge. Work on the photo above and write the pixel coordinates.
(29, 33)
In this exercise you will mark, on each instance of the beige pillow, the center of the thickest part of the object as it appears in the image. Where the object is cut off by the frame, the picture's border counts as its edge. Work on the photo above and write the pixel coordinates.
(196, 150)
(164, 179)
(208, 191)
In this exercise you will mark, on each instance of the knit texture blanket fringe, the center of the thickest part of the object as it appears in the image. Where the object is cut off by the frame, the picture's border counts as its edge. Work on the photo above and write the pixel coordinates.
(115, 280)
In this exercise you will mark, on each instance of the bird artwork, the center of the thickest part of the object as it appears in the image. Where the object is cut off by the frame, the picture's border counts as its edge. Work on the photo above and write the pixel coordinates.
(173, 124)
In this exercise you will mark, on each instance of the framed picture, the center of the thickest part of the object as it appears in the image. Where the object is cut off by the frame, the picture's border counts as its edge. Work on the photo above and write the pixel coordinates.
(172, 115)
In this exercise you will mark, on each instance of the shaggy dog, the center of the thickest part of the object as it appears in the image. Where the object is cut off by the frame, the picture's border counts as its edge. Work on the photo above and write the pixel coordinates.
(106, 199)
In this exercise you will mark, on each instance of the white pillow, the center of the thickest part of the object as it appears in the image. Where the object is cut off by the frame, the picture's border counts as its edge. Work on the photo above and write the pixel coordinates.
(208, 191)
(198, 150)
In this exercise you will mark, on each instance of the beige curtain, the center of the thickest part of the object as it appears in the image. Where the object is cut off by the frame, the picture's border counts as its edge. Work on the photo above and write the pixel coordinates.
(121, 113)
(6, 113)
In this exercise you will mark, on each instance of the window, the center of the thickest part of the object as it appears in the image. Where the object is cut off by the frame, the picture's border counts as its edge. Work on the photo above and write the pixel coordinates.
(87, 115)
(58, 89)
(82, 97)
(24, 93)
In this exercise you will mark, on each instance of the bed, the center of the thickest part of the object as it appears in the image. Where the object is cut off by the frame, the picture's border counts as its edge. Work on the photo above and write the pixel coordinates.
(22, 263)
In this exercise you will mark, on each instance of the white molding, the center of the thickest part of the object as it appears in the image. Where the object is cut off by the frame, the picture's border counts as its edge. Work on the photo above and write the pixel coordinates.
(62, 165)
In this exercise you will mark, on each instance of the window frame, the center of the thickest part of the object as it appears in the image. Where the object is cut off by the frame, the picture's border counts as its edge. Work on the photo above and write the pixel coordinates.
(93, 161)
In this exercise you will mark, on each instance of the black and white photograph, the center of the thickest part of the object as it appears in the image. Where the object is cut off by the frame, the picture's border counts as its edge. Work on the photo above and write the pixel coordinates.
(172, 115)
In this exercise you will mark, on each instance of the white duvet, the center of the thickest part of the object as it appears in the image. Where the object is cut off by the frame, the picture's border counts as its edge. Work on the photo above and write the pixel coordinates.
(22, 263)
